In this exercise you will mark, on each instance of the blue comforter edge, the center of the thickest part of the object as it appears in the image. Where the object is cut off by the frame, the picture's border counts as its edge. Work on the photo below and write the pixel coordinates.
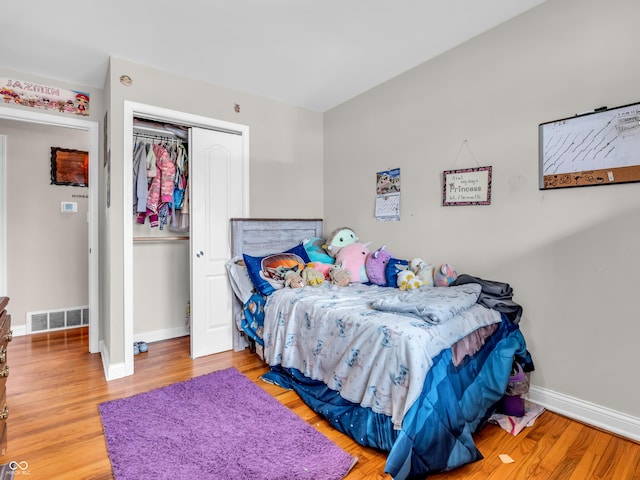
(436, 434)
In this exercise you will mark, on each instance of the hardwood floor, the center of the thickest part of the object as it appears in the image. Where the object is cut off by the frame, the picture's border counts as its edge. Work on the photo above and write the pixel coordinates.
(55, 386)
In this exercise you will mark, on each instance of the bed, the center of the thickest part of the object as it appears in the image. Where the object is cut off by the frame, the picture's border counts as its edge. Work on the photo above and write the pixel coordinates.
(417, 384)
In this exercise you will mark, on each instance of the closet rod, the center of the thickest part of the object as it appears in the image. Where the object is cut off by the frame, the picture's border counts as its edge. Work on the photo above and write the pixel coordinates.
(159, 239)
(157, 137)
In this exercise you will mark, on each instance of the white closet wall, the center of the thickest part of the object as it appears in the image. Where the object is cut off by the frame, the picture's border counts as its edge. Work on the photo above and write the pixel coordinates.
(161, 271)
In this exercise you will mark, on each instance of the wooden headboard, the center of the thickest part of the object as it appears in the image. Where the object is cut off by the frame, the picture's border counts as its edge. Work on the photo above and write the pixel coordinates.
(262, 236)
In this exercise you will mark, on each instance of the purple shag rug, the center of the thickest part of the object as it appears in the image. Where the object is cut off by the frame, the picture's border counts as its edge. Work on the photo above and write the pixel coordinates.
(218, 426)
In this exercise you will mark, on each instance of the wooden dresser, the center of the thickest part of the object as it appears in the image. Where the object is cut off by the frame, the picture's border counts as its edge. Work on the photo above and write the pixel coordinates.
(5, 338)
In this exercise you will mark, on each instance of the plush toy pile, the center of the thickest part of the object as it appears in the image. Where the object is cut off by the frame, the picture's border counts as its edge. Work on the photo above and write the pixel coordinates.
(341, 259)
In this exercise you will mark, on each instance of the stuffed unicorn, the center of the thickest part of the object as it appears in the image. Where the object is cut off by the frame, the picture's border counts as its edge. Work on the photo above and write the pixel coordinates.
(352, 257)
(376, 264)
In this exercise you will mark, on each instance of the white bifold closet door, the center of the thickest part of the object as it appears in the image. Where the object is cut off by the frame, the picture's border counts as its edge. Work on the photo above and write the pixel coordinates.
(216, 195)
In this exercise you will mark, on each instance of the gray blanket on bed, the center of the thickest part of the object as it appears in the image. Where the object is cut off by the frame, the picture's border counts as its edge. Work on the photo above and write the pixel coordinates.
(431, 304)
(494, 295)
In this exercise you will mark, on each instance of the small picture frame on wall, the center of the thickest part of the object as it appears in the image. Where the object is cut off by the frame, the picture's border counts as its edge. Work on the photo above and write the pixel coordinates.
(467, 186)
(69, 167)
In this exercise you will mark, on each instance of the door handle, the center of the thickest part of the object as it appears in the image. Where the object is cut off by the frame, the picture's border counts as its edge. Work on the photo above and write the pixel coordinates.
(200, 254)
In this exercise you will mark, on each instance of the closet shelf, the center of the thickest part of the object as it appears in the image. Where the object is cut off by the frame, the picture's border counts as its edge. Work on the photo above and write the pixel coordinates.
(160, 239)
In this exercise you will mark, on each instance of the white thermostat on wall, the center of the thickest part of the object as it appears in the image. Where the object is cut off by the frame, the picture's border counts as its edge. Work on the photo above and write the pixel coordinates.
(69, 207)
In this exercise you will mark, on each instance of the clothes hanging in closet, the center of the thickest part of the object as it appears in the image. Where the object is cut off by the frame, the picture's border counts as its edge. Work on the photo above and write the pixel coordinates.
(160, 186)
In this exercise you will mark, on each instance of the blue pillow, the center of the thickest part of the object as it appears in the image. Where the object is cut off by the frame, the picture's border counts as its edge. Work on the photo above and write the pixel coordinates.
(254, 267)
(391, 271)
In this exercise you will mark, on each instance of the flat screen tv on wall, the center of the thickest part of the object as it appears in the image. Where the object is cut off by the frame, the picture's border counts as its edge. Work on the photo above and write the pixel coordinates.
(595, 148)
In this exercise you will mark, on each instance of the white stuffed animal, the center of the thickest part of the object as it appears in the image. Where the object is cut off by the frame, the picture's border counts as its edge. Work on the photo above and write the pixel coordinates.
(407, 280)
(422, 270)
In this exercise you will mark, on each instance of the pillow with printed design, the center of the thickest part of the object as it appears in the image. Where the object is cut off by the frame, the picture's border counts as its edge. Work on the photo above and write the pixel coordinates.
(266, 272)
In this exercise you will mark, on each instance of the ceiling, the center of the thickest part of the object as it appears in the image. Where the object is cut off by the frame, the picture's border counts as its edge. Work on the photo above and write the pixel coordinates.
(312, 54)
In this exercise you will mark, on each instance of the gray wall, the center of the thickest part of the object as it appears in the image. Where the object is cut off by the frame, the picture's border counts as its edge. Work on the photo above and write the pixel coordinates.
(571, 255)
(285, 158)
(47, 250)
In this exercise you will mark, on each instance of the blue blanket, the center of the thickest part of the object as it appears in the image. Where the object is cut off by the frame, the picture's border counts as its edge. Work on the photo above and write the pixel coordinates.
(436, 433)
(374, 358)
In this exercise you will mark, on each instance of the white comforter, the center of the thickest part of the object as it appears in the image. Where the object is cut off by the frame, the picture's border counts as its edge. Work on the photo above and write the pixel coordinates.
(374, 358)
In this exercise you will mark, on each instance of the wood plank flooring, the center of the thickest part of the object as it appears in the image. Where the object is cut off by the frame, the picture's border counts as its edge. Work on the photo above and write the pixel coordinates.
(55, 386)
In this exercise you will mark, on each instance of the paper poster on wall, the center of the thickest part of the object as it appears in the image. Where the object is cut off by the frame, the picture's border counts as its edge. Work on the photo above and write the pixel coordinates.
(29, 94)
(388, 195)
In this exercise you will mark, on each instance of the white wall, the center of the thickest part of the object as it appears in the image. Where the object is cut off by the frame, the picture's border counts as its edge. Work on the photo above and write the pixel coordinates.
(571, 255)
(47, 251)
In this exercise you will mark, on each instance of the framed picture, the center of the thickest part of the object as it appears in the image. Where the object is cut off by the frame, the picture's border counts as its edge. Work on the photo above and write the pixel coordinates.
(468, 186)
(600, 147)
(69, 167)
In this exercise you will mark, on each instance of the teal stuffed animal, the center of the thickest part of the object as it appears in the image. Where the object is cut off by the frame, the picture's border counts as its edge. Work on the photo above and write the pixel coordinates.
(314, 248)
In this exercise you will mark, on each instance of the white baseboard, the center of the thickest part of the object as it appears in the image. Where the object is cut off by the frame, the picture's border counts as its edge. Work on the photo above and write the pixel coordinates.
(586, 412)
(158, 335)
(19, 330)
(111, 372)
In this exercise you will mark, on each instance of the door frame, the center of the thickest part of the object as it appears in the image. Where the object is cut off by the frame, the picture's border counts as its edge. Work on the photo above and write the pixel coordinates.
(150, 112)
(92, 129)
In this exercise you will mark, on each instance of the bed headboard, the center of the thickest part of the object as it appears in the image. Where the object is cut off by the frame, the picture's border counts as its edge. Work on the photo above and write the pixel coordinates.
(262, 236)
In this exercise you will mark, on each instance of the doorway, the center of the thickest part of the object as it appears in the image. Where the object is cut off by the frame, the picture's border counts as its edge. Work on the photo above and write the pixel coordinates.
(91, 129)
(199, 247)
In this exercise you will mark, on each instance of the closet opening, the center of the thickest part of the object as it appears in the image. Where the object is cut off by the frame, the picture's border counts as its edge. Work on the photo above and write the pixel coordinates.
(180, 286)
(160, 225)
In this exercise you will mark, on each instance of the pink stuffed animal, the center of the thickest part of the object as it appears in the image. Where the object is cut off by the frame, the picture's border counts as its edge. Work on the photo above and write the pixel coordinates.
(352, 257)
(322, 268)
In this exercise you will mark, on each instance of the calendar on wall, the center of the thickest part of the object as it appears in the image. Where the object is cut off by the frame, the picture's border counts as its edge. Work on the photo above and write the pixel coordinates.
(388, 195)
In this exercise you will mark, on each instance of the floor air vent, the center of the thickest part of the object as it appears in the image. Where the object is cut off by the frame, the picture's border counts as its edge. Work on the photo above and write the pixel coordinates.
(58, 319)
